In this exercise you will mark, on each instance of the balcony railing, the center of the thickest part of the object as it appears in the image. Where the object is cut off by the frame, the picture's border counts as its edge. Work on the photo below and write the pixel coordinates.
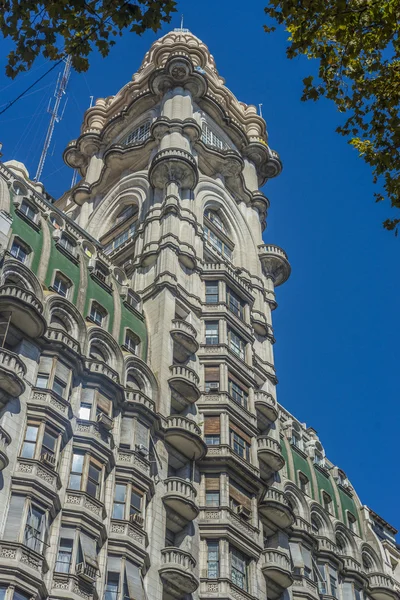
(177, 571)
(12, 372)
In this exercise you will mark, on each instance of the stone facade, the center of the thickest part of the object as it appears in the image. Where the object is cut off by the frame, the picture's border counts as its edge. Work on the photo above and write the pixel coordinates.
(143, 452)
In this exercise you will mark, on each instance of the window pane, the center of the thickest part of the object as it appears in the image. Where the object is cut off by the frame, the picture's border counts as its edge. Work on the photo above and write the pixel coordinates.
(59, 387)
(49, 441)
(42, 381)
(92, 488)
(120, 491)
(84, 411)
(118, 511)
(136, 502)
(31, 433)
(75, 482)
(77, 463)
(94, 472)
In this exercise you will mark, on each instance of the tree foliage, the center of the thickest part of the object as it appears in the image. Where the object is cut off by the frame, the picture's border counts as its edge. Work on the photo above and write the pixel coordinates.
(54, 28)
(356, 44)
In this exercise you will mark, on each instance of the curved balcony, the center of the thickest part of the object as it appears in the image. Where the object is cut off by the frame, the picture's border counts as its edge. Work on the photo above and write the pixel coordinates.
(277, 571)
(101, 369)
(382, 587)
(180, 497)
(177, 572)
(185, 437)
(260, 323)
(5, 440)
(269, 455)
(173, 164)
(12, 372)
(26, 310)
(184, 335)
(274, 262)
(275, 511)
(266, 407)
(184, 382)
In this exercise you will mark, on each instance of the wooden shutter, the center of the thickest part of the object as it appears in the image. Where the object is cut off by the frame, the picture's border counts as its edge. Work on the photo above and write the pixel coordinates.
(211, 373)
(135, 585)
(103, 403)
(142, 434)
(127, 431)
(46, 364)
(233, 378)
(114, 564)
(241, 433)
(14, 518)
(239, 494)
(62, 371)
(211, 425)
(212, 483)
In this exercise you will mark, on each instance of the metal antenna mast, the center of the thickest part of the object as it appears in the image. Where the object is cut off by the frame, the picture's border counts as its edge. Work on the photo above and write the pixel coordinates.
(60, 90)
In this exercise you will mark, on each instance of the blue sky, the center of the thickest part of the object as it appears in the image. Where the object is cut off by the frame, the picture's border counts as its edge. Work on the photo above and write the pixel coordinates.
(337, 325)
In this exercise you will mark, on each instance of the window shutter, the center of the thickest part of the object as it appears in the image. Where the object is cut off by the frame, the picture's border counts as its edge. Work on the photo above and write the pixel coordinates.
(239, 494)
(233, 378)
(127, 431)
(211, 373)
(87, 395)
(103, 403)
(14, 518)
(142, 434)
(67, 532)
(212, 483)
(296, 555)
(114, 564)
(62, 371)
(89, 547)
(211, 425)
(135, 585)
(45, 364)
(237, 430)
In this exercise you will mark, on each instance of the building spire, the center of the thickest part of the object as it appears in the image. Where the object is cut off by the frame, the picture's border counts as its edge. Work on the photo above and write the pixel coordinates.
(181, 29)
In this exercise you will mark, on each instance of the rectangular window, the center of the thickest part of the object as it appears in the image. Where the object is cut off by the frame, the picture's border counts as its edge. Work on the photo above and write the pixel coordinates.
(64, 556)
(211, 379)
(212, 296)
(212, 335)
(59, 387)
(96, 314)
(236, 344)
(212, 498)
(322, 587)
(240, 445)
(112, 586)
(333, 581)
(42, 381)
(212, 440)
(238, 569)
(75, 478)
(61, 285)
(119, 501)
(130, 342)
(212, 559)
(238, 391)
(93, 480)
(66, 243)
(49, 444)
(235, 304)
(28, 210)
(29, 445)
(35, 529)
(19, 251)
(84, 411)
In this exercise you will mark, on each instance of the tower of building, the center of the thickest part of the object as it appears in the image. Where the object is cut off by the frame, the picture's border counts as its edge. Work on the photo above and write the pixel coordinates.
(143, 452)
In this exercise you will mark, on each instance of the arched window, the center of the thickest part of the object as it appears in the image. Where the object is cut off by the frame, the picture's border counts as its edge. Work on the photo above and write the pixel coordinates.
(59, 322)
(341, 543)
(20, 250)
(316, 525)
(211, 138)
(13, 279)
(123, 229)
(367, 562)
(216, 234)
(139, 134)
(132, 382)
(97, 352)
(327, 501)
(352, 521)
(304, 483)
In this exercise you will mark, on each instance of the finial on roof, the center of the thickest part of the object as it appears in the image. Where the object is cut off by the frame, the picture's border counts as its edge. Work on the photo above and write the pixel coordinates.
(181, 28)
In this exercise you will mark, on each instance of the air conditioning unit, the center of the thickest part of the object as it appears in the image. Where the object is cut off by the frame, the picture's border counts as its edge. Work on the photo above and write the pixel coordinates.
(48, 459)
(105, 421)
(243, 511)
(213, 386)
(141, 449)
(86, 571)
(135, 518)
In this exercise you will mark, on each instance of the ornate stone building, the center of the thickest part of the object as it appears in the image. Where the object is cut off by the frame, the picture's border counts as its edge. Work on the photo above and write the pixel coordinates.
(143, 453)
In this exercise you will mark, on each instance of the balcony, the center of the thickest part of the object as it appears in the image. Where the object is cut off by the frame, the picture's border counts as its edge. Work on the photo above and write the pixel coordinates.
(224, 519)
(275, 511)
(177, 572)
(277, 571)
(128, 536)
(63, 339)
(79, 502)
(266, 407)
(223, 588)
(12, 372)
(382, 587)
(139, 401)
(33, 473)
(180, 497)
(20, 564)
(184, 336)
(173, 163)
(274, 262)
(130, 459)
(269, 455)
(184, 436)
(225, 455)
(5, 440)
(92, 431)
(184, 385)
(100, 368)
(260, 324)
(69, 586)
(26, 310)
(305, 588)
